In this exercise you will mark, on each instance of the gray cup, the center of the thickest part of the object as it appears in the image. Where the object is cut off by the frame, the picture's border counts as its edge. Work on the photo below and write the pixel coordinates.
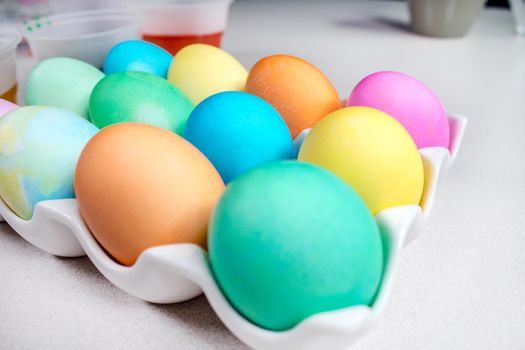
(444, 18)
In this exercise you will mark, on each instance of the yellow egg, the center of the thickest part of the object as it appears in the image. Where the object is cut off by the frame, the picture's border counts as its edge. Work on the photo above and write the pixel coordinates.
(201, 70)
(372, 152)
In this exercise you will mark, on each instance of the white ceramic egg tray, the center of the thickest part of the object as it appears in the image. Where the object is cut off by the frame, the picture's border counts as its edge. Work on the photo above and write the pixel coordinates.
(178, 272)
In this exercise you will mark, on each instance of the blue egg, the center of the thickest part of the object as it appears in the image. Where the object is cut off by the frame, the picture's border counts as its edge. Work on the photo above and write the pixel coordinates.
(238, 131)
(138, 56)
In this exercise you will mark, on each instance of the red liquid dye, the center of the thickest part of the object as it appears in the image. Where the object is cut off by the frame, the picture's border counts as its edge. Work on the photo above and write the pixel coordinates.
(10, 94)
(173, 43)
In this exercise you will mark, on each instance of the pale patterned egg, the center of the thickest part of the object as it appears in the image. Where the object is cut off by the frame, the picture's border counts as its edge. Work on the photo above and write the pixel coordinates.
(39, 149)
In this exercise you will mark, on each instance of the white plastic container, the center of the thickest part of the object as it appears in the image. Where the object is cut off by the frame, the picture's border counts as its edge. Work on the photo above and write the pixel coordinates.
(173, 24)
(178, 272)
(8, 84)
(86, 35)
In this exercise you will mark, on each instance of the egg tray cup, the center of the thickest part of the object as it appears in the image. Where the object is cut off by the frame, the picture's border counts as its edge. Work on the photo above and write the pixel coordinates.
(179, 272)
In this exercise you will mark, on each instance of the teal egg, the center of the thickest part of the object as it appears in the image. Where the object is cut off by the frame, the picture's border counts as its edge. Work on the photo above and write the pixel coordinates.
(39, 149)
(288, 240)
(62, 82)
(139, 97)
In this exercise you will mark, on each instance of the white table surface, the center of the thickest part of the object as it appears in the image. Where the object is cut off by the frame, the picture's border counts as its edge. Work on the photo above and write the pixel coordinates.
(460, 286)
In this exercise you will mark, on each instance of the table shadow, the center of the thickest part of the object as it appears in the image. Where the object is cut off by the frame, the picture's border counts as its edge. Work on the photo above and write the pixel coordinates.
(374, 24)
(196, 313)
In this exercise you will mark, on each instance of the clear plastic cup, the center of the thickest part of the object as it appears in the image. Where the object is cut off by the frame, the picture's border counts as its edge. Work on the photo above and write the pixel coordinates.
(85, 35)
(8, 84)
(173, 24)
(60, 6)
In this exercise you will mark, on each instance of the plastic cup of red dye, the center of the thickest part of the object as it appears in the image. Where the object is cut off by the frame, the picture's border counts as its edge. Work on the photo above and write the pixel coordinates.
(173, 24)
(8, 86)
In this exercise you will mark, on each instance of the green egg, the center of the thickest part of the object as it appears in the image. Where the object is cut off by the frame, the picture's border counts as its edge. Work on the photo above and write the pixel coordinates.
(288, 240)
(139, 97)
(62, 82)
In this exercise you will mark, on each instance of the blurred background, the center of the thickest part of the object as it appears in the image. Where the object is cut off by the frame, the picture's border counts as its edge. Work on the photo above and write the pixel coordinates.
(13, 9)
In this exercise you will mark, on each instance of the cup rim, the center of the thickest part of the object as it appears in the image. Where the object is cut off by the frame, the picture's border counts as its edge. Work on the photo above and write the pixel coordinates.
(13, 38)
(134, 19)
(170, 3)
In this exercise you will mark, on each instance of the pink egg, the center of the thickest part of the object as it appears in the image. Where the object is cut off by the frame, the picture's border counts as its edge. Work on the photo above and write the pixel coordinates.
(6, 106)
(409, 101)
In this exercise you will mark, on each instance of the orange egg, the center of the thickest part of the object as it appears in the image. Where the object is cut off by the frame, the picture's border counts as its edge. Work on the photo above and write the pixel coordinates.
(298, 90)
(140, 186)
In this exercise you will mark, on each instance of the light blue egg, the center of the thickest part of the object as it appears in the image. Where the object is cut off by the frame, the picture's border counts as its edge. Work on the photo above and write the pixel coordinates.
(39, 150)
(238, 131)
(138, 56)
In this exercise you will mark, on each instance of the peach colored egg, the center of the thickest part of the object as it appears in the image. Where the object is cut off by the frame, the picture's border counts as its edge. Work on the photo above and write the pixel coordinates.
(140, 186)
(299, 91)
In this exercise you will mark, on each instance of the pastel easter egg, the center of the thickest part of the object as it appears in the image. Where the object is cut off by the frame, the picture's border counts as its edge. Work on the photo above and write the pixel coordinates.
(140, 186)
(237, 131)
(6, 106)
(409, 101)
(62, 82)
(289, 240)
(299, 91)
(372, 152)
(39, 149)
(139, 97)
(137, 56)
(201, 70)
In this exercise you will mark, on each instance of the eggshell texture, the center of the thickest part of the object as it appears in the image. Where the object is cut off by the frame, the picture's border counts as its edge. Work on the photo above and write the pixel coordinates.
(289, 240)
(139, 97)
(6, 106)
(238, 131)
(372, 152)
(62, 82)
(140, 186)
(137, 56)
(298, 90)
(409, 101)
(202, 70)
(39, 148)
